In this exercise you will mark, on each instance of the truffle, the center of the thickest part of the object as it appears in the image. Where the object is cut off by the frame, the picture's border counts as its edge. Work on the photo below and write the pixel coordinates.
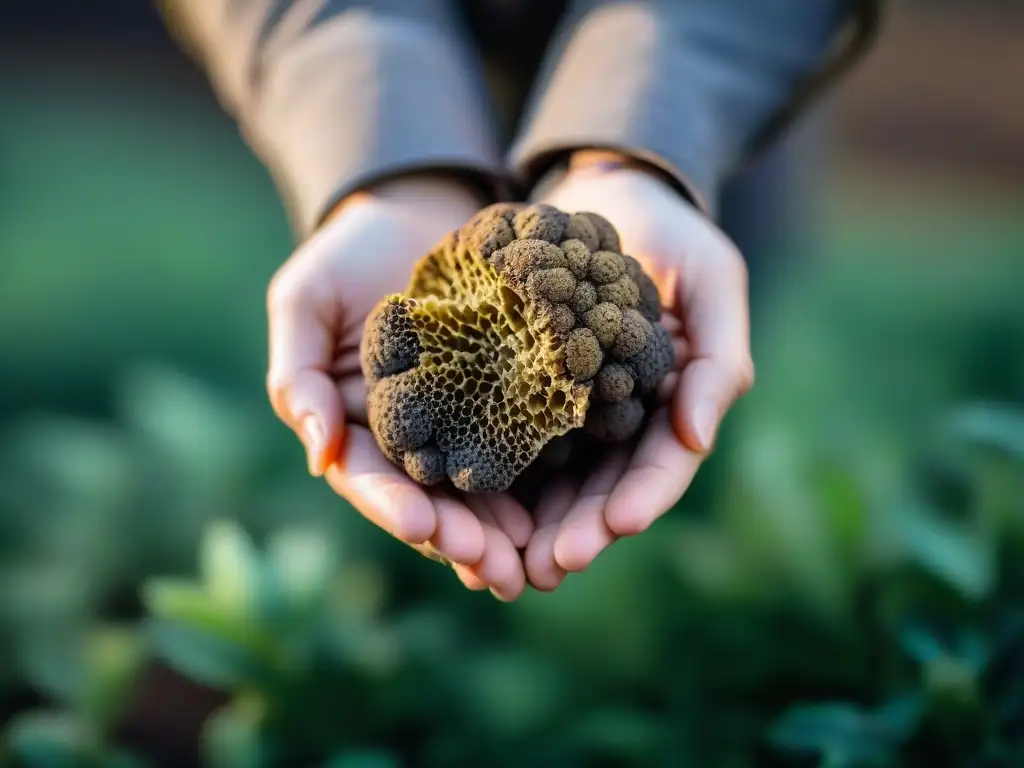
(525, 324)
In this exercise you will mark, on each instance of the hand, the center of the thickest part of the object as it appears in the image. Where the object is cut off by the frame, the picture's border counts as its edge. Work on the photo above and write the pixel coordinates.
(317, 304)
(702, 280)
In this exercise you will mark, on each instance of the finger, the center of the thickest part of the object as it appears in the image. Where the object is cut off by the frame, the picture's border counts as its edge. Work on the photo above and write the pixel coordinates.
(464, 574)
(707, 389)
(501, 566)
(469, 579)
(584, 533)
(672, 324)
(543, 571)
(427, 550)
(381, 492)
(301, 391)
(668, 386)
(459, 535)
(681, 348)
(658, 475)
(510, 516)
(346, 361)
(352, 393)
(715, 306)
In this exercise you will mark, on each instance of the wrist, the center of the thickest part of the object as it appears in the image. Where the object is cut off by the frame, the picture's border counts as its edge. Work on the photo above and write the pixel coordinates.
(450, 195)
(590, 164)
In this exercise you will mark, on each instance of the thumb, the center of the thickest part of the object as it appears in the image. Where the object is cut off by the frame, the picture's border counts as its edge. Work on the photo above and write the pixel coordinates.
(310, 405)
(714, 306)
(707, 389)
(301, 390)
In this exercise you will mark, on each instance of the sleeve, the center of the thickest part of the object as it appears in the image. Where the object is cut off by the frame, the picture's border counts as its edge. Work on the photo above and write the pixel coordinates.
(334, 94)
(692, 87)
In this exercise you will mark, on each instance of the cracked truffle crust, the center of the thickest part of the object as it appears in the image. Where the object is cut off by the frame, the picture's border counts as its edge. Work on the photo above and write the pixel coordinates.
(523, 325)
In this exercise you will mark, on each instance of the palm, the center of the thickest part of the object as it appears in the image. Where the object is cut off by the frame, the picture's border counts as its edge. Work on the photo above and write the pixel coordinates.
(343, 272)
(576, 519)
(320, 299)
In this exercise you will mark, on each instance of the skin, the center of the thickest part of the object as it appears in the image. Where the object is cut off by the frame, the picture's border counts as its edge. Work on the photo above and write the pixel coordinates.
(317, 304)
(319, 299)
(702, 280)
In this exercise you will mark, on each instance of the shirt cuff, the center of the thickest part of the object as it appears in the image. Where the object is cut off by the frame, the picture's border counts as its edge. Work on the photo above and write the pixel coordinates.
(363, 99)
(682, 87)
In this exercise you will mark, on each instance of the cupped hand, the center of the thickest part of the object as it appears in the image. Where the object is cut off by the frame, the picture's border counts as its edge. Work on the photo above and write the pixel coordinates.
(317, 304)
(702, 281)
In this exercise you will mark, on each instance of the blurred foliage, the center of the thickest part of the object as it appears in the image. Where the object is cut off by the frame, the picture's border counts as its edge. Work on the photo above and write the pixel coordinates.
(893, 606)
(851, 594)
(124, 205)
(90, 680)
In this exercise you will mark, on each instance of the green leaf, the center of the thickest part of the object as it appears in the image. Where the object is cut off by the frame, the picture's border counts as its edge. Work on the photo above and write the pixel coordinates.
(950, 680)
(966, 646)
(303, 561)
(88, 670)
(231, 737)
(180, 600)
(210, 659)
(953, 552)
(1000, 427)
(229, 566)
(113, 657)
(240, 581)
(820, 727)
(845, 732)
(51, 740)
(210, 638)
(921, 644)
(899, 717)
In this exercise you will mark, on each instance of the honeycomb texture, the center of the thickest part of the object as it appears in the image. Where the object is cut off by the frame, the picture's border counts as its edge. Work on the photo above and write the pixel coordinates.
(525, 324)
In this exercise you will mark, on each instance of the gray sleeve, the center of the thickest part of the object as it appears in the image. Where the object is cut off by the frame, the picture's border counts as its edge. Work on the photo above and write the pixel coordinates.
(686, 85)
(332, 94)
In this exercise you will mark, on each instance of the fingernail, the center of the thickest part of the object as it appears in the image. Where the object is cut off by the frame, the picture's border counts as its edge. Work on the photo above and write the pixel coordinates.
(705, 423)
(496, 594)
(316, 440)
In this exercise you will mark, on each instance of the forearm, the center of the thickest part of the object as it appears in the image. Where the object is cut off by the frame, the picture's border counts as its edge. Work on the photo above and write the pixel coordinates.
(334, 95)
(683, 86)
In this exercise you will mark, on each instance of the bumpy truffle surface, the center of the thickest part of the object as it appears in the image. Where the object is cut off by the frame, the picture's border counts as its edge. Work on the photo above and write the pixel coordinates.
(522, 326)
